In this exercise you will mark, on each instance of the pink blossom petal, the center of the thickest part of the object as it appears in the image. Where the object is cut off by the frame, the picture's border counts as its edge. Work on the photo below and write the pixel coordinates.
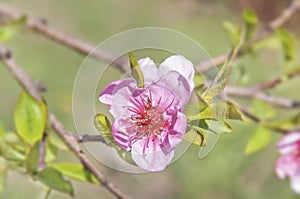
(287, 165)
(163, 97)
(176, 134)
(149, 70)
(295, 182)
(121, 96)
(178, 85)
(150, 158)
(181, 65)
(289, 143)
(120, 136)
(107, 93)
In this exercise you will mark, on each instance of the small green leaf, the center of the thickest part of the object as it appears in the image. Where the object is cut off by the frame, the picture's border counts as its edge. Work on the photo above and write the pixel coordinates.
(47, 193)
(215, 91)
(271, 42)
(259, 140)
(3, 169)
(6, 34)
(201, 102)
(75, 171)
(9, 153)
(221, 110)
(231, 29)
(288, 123)
(199, 81)
(263, 110)
(216, 126)
(51, 152)
(30, 118)
(126, 156)
(196, 136)
(1, 131)
(250, 20)
(136, 71)
(104, 128)
(218, 84)
(287, 43)
(56, 141)
(32, 159)
(18, 22)
(55, 180)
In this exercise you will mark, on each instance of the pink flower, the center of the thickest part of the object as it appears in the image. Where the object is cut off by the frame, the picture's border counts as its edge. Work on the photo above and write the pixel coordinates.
(149, 121)
(289, 163)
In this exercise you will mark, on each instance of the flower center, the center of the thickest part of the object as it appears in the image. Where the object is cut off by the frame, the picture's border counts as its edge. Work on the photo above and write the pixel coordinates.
(148, 119)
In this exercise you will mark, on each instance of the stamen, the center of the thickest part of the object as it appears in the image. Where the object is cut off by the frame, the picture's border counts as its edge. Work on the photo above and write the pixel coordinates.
(169, 105)
(146, 144)
(157, 104)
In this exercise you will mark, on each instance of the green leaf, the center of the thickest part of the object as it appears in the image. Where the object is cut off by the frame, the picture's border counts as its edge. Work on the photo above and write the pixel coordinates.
(126, 156)
(47, 193)
(75, 171)
(30, 118)
(104, 128)
(263, 110)
(3, 169)
(287, 43)
(55, 180)
(11, 138)
(259, 140)
(216, 126)
(215, 91)
(9, 153)
(250, 20)
(56, 141)
(32, 159)
(6, 34)
(9, 30)
(271, 42)
(221, 110)
(199, 81)
(288, 123)
(51, 152)
(136, 71)
(231, 29)
(1, 131)
(218, 84)
(201, 102)
(196, 136)
(18, 22)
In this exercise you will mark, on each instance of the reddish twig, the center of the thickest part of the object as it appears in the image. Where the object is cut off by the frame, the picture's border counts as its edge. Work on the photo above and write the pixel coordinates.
(30, 86)
(81, 46)
(250, 93)
(275, 23)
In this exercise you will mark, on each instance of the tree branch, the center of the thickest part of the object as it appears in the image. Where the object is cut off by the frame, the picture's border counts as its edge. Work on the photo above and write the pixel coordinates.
(276, 81)
(83, 47)
(250, 93)
(67, 136)
(274, 24)
(90, 138)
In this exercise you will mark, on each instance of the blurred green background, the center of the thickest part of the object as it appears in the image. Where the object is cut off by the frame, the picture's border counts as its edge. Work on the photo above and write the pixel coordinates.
(227, 173)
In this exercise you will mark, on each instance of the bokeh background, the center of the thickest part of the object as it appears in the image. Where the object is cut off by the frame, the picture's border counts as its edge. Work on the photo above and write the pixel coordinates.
(227, 173)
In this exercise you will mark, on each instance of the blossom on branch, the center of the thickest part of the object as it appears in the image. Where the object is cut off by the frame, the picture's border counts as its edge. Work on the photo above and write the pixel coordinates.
(149, 121)
(288, 165)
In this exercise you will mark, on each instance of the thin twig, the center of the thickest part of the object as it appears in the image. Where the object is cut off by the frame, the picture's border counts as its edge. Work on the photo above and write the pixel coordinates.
(250, 93)
(30, 86)
(90, 138)
(276, 81)
(83, 47)
(275, 23)
(24, 80)
(42, 153)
